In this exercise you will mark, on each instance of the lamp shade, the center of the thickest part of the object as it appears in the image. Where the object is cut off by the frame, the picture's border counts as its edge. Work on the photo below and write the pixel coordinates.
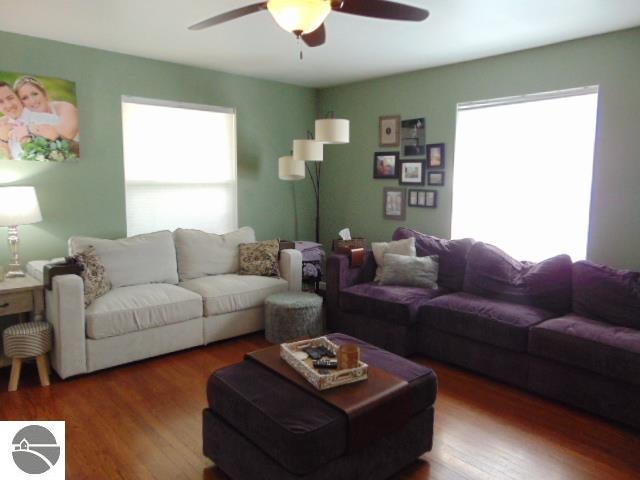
(290, 169)
(332, 130)
(299, 16)
(19, 206)
(307, 150)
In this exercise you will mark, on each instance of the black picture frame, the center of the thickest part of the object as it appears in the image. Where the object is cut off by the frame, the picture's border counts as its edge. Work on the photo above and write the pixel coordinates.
(435, 155)
(413, 136)
(394, 201)
(422, 198)
(411, 172)
(435, 178)
(382, 167)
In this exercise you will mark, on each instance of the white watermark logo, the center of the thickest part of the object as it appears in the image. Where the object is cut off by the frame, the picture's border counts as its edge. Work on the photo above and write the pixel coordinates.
(34, 449)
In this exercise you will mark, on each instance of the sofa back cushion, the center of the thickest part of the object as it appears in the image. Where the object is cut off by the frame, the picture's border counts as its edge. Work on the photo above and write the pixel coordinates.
(606, 294)
(147, 258)
(493, 274)
(200, 253)
(451, 255)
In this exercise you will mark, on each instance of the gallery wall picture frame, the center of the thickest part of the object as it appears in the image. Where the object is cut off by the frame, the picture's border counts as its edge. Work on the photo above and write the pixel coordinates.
(413, 134)
(435, 155)
(394, 203)
(385, 164)
(435, 179)
(423, 198)
(411, 172)
(389, 131)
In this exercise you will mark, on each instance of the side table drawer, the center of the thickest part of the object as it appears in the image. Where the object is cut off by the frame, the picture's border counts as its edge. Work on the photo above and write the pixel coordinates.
(11, 303)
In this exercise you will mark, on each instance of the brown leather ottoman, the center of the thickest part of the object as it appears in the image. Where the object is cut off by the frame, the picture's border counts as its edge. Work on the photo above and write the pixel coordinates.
(261, 426)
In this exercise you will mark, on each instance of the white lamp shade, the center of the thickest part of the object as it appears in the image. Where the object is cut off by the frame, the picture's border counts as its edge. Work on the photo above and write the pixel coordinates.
(332, 130)
(307, 150)
(19, 206)
(290, 169)
(303, 16)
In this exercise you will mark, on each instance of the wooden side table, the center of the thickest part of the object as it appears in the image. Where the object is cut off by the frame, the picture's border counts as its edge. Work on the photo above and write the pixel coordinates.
(23, 296)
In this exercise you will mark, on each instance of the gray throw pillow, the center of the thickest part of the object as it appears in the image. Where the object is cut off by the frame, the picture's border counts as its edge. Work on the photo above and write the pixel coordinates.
(410, 271)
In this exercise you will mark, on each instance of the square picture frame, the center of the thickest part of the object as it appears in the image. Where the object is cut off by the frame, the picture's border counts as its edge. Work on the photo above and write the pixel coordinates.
(385, 164)
(389, 131)
(413, 137)
(394, 203)
(435, 178)
(435, 155)
(411, 172)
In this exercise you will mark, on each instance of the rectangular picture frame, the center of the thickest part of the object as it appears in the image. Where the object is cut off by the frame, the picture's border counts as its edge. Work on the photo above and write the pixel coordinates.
(385, 164)
(389, 131)
(422, 198)
(411, 172)
(435, 155)
(413, 135)
(394, 203)
(435, 178)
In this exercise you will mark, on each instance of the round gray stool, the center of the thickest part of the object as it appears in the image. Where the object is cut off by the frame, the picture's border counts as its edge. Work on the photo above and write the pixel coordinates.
(291, 315)
(27, 340)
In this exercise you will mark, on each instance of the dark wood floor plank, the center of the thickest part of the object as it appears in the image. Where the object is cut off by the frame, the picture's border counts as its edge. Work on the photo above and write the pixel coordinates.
(143, 421)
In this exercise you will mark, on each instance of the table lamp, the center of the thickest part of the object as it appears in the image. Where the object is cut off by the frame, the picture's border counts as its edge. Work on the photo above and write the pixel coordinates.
(18, 206)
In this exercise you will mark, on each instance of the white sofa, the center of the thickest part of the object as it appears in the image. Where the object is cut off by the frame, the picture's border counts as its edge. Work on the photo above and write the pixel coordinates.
(171, 291)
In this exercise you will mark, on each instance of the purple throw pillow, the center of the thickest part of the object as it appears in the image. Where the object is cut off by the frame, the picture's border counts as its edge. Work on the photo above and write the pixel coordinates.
(451, 254)
(606, 294)
(494, 274)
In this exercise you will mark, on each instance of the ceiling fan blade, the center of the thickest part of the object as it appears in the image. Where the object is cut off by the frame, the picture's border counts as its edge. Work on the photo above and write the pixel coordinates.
(225, 17)
(315, 38)
(380, 9)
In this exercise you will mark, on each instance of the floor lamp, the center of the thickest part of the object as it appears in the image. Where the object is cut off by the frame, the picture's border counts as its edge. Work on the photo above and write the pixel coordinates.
(327, 130)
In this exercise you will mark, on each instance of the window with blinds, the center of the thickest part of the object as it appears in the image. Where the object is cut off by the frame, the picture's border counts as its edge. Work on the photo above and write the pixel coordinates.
(523, 171)
(179, 166)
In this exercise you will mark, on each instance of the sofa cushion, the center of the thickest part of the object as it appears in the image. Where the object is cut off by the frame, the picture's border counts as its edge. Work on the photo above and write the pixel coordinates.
(233, 292)
(148, 258)
(399, 247)
(259, 258)
(610, 350)
(408, 271)
(392, 303)
(486, 320)
(200, 253)
(94, 278)
(492, 273)
(606, 294)
(451, 255)
(139, 307)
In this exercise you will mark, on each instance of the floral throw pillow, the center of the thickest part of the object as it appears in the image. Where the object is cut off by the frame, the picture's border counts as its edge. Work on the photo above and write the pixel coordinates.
(260, 258)
(94, 277)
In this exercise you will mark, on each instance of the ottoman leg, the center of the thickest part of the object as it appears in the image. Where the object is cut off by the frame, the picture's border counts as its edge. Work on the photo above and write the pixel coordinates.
(14, 378)
(43, 370)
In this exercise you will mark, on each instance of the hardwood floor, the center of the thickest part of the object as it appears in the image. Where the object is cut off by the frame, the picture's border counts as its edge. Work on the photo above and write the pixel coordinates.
(142, 421)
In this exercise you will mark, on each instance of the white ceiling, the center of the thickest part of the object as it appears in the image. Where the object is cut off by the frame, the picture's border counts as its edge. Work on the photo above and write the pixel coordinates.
(356, 48)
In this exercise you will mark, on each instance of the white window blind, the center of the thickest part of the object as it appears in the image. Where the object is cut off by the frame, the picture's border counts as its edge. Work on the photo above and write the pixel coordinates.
(180, 166)
(523, 171)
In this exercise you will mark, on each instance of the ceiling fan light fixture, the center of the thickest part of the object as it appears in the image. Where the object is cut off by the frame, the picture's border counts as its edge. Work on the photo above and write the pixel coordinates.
(299, 16)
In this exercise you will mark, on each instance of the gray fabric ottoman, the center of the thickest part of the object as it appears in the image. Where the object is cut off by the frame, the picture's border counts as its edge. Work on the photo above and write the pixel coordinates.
(292, 315)
(261, 426)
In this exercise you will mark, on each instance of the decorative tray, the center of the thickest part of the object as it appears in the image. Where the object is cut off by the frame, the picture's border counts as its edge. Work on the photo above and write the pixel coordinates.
(334, 378)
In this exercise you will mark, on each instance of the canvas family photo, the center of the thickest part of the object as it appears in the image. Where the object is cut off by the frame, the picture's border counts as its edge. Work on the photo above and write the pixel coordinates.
(38, 118)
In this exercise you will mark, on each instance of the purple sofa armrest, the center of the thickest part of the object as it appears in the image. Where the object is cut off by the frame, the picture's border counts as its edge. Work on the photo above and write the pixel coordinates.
(340, 275)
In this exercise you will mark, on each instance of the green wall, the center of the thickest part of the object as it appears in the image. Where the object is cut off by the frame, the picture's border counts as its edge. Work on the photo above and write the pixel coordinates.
(87, 197)
(351, 197)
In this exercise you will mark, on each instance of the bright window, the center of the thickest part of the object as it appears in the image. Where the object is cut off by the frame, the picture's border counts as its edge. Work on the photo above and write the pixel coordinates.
(523, 170)
(179, 165)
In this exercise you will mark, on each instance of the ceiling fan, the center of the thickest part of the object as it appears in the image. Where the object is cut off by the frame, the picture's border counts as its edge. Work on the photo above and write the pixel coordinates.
(305, 18)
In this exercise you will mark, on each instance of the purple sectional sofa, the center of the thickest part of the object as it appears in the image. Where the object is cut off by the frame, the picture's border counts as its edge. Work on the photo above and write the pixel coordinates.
(568, 331)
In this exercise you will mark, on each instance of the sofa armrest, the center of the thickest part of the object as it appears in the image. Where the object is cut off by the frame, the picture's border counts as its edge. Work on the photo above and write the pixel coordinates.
(340, 275)
(291, 268)
(65, 312)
